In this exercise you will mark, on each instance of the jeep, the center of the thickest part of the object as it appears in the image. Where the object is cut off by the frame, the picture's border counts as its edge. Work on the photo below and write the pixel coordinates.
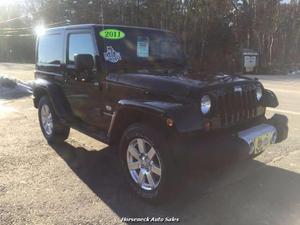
(130, 86)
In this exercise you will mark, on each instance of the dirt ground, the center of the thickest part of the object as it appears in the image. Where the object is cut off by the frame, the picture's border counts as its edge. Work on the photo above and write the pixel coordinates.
(81, 182)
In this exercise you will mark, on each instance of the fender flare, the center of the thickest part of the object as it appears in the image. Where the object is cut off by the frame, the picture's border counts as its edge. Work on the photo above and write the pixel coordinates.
(186, 117)
(56, 96)
(269, 99)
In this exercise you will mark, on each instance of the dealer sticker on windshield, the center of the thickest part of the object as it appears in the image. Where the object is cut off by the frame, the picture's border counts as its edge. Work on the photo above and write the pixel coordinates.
(142, 48)
(112, 34)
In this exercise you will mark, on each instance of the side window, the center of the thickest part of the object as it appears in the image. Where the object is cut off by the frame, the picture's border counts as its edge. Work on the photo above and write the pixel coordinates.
(81, 43)
(50, 49)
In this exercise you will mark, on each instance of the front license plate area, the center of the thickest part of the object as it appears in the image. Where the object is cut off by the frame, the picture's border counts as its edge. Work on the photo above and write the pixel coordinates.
(260, 143)
(258, 137)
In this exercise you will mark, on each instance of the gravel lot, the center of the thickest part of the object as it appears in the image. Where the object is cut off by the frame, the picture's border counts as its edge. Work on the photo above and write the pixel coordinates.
(80, 182)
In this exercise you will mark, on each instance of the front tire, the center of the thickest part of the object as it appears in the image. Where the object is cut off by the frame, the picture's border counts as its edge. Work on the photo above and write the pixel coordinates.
(53, 130)
(147, 162)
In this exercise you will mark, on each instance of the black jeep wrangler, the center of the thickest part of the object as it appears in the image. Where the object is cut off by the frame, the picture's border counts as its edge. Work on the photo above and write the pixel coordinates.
(129, 86)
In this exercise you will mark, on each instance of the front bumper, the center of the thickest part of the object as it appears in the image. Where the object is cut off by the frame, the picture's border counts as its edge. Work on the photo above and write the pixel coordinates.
(249, 140)
(259, 137)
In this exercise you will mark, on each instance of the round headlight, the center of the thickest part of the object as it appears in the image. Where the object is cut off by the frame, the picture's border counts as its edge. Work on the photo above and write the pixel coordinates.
(205, 104)
(258, 93)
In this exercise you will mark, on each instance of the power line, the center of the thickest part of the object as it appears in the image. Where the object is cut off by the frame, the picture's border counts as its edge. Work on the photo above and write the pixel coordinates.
(19, 17)
(13, 33)
(17, 29)
(16, 35)
(12, 19)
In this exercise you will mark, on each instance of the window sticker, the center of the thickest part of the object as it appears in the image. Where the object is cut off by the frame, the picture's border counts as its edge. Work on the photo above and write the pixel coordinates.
(111, 55)
(112, 34)
(142, 47)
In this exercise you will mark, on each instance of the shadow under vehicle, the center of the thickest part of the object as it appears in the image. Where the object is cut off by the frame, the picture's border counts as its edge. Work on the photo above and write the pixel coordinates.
(241, 193)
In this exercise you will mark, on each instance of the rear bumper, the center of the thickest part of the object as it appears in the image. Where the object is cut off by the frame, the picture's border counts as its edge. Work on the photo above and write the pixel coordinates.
(206, 147)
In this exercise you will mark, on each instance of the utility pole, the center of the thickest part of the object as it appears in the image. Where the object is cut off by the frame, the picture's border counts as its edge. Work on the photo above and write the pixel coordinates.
(101, 17)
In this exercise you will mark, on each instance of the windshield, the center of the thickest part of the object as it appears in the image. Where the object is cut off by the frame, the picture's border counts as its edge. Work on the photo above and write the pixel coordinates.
(140, 51)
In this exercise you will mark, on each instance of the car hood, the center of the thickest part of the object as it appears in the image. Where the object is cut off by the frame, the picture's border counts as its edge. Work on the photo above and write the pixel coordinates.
(178, 85)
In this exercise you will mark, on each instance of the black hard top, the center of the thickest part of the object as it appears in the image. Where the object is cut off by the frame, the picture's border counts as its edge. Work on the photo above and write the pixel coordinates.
(89, 26)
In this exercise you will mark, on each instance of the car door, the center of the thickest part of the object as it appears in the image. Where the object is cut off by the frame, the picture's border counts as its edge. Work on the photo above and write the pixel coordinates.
(84, 95)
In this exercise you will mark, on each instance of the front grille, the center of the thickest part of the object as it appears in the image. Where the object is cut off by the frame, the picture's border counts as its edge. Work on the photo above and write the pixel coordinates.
(235, 107)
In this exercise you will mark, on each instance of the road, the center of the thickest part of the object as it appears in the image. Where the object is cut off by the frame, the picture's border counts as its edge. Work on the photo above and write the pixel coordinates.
(81, 181)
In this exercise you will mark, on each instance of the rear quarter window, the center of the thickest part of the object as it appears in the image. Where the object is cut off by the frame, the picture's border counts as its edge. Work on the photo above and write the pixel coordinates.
(50, 49)
(80, 43)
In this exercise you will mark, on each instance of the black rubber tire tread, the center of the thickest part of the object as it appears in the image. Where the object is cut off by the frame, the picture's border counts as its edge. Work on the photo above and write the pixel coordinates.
(60, 131)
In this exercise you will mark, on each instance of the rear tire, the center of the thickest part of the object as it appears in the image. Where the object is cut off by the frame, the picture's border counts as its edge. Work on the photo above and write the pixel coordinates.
(53, 130)
(151, 169)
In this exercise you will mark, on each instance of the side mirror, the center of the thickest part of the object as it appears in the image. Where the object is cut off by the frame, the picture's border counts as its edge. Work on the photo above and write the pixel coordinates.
(83, 62)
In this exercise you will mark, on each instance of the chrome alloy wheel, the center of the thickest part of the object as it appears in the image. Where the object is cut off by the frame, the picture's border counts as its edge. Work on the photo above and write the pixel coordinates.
(144, 164)
(47, 120)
